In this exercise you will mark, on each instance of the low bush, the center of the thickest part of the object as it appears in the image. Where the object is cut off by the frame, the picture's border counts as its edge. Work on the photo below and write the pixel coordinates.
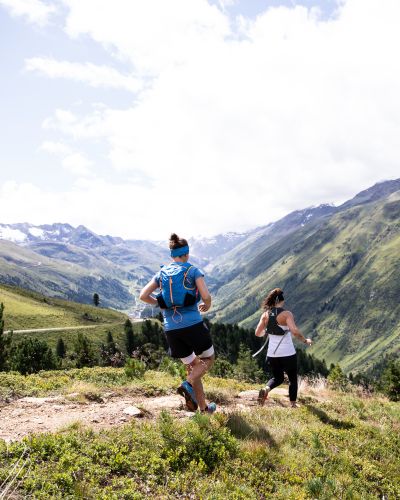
(201, 442)
(174, 368)
(134, 368)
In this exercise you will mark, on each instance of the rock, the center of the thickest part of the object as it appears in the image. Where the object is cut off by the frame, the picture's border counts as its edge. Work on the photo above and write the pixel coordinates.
(133, 411)
(248, 394)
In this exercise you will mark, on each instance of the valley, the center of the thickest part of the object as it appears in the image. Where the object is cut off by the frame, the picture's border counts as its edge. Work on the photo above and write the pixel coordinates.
(339, 267)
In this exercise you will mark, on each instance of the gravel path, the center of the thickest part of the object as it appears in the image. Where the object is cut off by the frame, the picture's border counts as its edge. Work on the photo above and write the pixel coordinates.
(28, 415)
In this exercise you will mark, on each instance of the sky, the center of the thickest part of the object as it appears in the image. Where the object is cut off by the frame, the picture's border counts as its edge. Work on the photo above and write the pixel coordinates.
(139, 118)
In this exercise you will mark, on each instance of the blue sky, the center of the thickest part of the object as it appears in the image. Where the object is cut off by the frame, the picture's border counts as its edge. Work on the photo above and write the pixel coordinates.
(113, 109)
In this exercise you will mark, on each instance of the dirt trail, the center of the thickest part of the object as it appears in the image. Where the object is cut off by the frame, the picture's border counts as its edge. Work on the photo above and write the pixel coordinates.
(49, 414)
(61, 328)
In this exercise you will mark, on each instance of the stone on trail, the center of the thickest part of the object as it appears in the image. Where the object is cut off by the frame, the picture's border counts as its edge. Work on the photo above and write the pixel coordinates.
(133, 411)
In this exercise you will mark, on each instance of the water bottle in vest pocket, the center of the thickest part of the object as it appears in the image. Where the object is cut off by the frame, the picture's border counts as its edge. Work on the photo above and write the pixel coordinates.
(178, 287)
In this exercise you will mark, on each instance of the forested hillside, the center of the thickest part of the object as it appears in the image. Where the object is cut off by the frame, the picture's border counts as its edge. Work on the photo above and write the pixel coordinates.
(341, 277)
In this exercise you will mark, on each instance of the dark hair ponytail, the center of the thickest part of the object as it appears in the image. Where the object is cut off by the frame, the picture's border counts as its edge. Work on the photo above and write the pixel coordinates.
(176, 242)
(274, 296)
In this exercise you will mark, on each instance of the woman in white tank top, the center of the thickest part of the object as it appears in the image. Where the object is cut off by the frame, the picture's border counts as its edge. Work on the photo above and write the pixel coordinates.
(279, 325)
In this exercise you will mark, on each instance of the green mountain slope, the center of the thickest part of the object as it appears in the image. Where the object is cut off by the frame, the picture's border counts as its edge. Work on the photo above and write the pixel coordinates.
(29, 310)
(73, 263)
(341, 276)
(55, 277)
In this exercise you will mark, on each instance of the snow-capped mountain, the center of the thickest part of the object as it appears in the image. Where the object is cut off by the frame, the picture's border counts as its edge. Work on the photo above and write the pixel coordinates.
(26, 234)
(74, 262)
(59, 259)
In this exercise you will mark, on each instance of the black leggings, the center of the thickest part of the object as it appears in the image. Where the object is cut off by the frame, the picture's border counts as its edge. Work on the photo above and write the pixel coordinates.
(278, 366)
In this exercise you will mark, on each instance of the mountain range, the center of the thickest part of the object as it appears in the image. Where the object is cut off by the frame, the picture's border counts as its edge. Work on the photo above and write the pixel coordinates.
(339, 267)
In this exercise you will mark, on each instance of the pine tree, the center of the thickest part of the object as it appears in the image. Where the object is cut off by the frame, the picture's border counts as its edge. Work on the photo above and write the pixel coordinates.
(391, 380)
(85, 355)
(129, 337)
(336, 378)
(31, 356)
(96, 299)
(246, 366)
(61, 349)
(110, 353)
(5, 343)
(112, 348)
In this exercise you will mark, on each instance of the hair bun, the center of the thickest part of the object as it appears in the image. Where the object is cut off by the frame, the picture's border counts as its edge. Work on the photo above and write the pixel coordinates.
(174, 237)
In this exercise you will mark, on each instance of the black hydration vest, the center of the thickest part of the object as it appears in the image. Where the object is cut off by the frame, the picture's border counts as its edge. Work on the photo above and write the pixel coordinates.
(272, 326)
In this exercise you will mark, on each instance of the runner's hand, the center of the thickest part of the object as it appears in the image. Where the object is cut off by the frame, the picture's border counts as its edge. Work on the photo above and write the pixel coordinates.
(308, 342)
(203, 307)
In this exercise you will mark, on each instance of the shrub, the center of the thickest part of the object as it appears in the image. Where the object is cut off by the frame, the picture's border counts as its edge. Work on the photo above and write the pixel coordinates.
(134, 368)
(337, 379)
(203, 441)
(31, 356)
(222, 368)
(174, 368)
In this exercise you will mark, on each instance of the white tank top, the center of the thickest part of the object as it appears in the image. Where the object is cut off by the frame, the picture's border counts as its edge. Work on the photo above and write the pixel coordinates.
(281, 345)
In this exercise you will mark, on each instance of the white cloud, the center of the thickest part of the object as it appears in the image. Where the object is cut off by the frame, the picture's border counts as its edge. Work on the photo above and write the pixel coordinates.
(74, 162)
(153, 35)
(77, 164)
(57, 148)
(91, 74)
(35, 11)
(237, 132)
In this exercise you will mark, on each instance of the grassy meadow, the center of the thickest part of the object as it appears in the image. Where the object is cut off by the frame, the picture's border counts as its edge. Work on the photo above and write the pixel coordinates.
(26, 309)
(334, 446)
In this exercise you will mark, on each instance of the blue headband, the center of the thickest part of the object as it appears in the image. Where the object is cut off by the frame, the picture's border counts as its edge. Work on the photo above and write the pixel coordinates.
(178, 252)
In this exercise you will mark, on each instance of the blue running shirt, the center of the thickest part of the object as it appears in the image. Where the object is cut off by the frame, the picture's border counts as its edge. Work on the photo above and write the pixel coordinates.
(184, 316)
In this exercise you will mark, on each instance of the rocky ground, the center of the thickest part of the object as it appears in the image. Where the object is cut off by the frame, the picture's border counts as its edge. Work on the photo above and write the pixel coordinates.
(48, 414)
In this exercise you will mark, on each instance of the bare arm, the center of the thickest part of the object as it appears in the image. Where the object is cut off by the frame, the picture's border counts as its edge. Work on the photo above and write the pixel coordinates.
(293, 328)
(260, 330)
(145, 294)
(204, 294)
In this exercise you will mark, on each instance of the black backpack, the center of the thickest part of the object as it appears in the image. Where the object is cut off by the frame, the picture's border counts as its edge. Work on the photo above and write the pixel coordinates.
(272, 326)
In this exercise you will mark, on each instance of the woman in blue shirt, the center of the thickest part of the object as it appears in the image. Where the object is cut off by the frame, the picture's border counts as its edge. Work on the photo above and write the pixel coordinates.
(188, 337)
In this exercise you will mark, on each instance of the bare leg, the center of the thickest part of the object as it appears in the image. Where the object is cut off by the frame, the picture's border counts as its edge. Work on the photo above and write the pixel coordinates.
(196, 370)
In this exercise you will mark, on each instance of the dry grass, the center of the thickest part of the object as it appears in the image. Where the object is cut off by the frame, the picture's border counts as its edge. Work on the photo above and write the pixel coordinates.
(83, 392)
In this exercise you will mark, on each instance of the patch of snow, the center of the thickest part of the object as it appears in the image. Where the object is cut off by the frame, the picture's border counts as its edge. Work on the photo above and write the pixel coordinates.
(7, 233)
(37, 232)
(308, 216)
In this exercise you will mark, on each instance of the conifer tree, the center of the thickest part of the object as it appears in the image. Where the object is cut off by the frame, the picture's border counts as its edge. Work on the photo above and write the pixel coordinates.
(129, 337)
(84, 351)
(5, 342)
(31, 356)
(96, 299)
(336, 378)
(246, 366)
(61, 349)
(112, 348)
(391, 380)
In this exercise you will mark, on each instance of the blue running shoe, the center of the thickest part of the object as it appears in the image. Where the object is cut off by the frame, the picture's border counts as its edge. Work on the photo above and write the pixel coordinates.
(210, 409)
(186, 390)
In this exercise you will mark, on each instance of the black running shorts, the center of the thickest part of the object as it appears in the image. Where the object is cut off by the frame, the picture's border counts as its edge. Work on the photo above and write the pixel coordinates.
(184, 341)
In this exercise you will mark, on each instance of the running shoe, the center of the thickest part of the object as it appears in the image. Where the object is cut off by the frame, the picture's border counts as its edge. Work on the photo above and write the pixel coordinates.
(263, 395)
(186, 390)
(210, 408)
